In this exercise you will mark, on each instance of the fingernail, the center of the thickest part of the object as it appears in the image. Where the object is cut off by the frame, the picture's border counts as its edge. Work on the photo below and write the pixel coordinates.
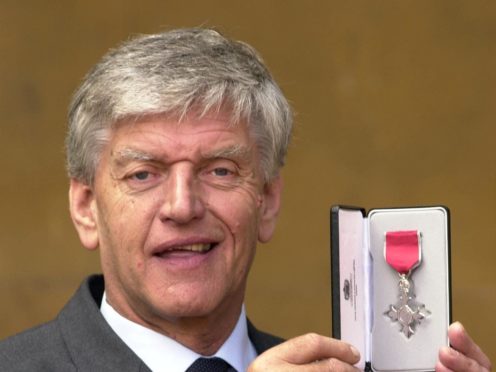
(459, 326)
(355, 352)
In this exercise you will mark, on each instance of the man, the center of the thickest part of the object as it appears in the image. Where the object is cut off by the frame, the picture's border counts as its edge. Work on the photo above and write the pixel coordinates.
(174, 149)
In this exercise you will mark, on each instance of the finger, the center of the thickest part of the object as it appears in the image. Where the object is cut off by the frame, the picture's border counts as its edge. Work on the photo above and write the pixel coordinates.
(455, 361)
(313, 347)
(334, 365)
(440, 367)
(461, 341)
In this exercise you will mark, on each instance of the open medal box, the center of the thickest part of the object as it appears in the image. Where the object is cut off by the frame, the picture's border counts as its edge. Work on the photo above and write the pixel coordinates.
(397, 322)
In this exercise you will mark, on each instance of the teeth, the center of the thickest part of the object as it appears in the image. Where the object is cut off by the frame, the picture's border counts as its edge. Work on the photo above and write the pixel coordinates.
(194, 247)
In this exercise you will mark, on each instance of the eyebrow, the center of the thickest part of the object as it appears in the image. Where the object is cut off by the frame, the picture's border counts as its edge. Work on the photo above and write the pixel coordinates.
(231, 152)
(128, 155)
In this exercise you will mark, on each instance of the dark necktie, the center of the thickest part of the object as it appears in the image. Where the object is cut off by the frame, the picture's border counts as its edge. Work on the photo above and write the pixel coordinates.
(210, 365)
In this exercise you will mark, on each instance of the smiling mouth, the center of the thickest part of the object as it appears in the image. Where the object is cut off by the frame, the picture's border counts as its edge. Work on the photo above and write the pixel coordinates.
(194, 248)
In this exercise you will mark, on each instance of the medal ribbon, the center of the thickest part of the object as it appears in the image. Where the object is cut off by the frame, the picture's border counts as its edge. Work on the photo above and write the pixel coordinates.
(402, 250)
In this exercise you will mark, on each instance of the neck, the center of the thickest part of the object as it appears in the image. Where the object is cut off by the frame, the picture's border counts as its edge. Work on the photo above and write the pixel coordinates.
(203, 334)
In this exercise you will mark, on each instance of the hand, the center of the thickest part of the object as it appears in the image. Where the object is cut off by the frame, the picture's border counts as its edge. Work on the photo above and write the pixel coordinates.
(463, 355)
(310, 352)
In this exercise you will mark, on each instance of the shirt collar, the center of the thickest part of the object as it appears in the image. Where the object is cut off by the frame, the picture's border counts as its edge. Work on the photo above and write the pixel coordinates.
(161, 353)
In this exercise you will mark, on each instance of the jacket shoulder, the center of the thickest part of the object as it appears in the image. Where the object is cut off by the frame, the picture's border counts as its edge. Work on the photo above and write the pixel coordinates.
(262, 341)
(41, 348)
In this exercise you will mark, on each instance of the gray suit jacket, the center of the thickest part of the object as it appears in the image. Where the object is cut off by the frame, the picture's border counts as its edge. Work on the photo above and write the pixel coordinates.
(79, 339)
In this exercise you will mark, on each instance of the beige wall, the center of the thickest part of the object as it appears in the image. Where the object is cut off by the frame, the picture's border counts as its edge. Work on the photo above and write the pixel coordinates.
(395, 105)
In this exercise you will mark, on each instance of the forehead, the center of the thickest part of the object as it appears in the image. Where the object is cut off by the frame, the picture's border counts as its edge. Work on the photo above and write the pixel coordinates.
(159, 134)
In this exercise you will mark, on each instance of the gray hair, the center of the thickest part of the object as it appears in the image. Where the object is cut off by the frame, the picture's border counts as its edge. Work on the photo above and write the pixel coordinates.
(175, 73)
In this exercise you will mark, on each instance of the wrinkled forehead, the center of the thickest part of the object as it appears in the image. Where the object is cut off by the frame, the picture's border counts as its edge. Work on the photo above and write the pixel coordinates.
(157, 138)
(190, 125)
(193, 122)
(224, 116)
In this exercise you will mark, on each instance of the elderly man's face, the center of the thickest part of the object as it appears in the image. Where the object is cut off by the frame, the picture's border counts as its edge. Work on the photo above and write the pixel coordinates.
(176, 210)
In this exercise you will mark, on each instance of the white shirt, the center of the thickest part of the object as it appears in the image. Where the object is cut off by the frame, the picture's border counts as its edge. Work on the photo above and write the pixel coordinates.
(162, 354)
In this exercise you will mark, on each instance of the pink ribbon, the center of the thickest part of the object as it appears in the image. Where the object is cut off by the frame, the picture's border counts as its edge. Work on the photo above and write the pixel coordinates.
(402, 250)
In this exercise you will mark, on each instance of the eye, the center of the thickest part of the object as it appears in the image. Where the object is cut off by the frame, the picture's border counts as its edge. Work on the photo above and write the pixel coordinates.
(221, 172)
(141, 176)
(142, 179)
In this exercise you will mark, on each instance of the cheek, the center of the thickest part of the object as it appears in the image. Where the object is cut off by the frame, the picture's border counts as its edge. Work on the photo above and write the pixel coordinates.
(125, 224)
(238, 209)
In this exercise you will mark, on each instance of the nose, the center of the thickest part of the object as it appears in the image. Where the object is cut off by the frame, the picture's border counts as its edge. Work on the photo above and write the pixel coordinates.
(182, 202)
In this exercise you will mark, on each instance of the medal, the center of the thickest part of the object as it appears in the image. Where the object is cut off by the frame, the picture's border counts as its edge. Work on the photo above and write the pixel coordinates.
(403, 253)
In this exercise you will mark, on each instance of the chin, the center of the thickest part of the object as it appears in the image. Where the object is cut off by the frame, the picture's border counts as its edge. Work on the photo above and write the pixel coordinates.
(187, 306)
(194, 300)
(185, 310)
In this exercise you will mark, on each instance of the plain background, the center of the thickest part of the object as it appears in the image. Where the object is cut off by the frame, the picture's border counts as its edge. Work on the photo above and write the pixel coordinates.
(395, 106)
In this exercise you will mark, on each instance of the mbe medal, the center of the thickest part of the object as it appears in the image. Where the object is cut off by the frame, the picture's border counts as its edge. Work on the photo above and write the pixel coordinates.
(402, 252)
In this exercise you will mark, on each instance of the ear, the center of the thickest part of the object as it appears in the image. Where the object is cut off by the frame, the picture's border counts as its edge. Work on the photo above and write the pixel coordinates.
(271, 202)
(83, 213)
